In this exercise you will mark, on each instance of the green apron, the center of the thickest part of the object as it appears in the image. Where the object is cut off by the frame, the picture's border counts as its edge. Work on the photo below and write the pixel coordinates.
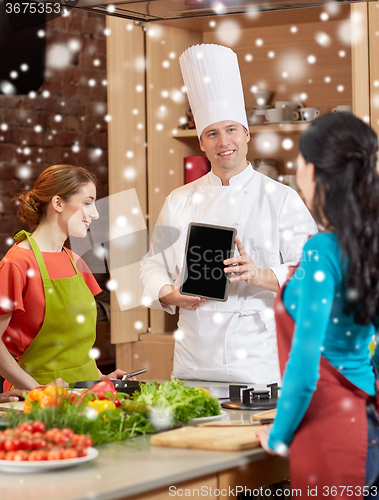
(61, 347)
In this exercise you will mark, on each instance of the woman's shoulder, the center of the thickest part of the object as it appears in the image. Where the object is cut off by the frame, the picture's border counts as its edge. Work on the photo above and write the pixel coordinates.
(322, 241)
(323, 251)
(18, 256)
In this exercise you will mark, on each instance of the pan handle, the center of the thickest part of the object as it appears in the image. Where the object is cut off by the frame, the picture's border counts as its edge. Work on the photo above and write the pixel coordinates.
(128, 375)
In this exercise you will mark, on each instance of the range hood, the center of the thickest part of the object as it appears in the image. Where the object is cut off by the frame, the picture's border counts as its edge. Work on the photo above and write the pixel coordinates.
(159, 10)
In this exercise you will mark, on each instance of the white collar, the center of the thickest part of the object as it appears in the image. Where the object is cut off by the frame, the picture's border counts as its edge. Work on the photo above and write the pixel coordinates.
(237, 180)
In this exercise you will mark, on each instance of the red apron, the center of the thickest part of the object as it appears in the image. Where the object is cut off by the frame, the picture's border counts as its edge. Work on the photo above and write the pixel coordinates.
(329, 447)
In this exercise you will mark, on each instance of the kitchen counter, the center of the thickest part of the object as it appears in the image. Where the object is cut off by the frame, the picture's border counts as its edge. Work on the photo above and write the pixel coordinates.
(134, 469)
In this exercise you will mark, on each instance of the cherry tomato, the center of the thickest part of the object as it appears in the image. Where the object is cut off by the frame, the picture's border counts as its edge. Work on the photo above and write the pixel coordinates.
(49, 435)
(2, 455)
(9, 432)
(26, 443)
(117, 403)
(38, 426)
(54, 455)
(68, 433)
(70, 453)
(81, 452)
(36, 456)
(9, 455)
(88, 441)
(25, 426)
(12, 444)
(60, 438)
(39, 443)
(21, 456)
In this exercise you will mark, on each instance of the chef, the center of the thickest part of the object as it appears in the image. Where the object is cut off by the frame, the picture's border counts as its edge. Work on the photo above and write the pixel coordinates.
(232, 341)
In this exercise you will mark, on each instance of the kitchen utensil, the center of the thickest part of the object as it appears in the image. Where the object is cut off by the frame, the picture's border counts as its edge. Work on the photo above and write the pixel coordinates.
(343, 108)
(262, 97)
(308, 114)
(288, 108)
(209, 438)
(45, 465)
(134, 374)
(125, 386)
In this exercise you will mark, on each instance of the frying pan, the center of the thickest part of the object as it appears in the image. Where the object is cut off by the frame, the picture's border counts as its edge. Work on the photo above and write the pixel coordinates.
(125, 386)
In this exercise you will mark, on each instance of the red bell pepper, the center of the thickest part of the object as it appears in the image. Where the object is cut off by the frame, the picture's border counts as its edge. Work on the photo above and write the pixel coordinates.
(101, 389)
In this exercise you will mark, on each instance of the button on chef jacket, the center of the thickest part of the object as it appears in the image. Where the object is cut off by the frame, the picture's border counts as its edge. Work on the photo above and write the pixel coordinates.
(232, 341)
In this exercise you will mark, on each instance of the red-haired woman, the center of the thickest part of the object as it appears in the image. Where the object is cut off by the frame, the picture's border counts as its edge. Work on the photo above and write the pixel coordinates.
(47, 306)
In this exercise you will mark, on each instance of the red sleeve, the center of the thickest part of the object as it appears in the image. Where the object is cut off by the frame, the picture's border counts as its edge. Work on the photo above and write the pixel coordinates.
(12, 285)
(86, 273)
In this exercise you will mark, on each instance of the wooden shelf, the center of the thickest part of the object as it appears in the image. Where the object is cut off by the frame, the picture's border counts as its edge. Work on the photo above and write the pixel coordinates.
(256, 129)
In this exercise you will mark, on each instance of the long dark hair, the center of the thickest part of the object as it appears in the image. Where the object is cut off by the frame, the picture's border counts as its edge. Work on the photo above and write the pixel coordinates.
(344, 150)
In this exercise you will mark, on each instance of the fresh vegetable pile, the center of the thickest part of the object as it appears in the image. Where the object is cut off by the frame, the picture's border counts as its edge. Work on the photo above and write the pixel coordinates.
(30, 442)
(106, 415)
(175, 401)
(96, 412)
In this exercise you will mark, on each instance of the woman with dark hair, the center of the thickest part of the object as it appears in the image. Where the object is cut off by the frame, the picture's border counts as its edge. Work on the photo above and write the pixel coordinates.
(326, 316)
(47, 306)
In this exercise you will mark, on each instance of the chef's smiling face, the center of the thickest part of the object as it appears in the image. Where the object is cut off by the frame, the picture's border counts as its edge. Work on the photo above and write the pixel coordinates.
(225, 144)
(79, 211)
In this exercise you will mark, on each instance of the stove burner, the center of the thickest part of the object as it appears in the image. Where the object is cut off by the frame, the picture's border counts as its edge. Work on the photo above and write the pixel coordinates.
(251, 399)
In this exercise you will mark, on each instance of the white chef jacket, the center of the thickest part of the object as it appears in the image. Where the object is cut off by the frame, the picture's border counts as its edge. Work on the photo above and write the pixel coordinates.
(232, 341)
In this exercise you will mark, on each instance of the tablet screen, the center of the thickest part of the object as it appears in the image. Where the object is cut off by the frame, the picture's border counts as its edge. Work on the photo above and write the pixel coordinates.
(203, 272)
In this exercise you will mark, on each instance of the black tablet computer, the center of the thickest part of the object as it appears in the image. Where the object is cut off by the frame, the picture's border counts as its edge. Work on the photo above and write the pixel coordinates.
(203, 270)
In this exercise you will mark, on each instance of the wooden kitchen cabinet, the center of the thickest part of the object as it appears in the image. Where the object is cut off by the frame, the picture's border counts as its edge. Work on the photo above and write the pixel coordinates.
(146, 102)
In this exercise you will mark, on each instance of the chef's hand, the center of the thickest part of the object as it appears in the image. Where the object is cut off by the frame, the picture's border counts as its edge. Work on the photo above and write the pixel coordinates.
(263, 434)
(12, 395)
(170, 295)
(245, 269)
(59, 382)
(116, 375)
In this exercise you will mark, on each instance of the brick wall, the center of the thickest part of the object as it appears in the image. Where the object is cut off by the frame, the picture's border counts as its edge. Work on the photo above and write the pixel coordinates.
(63, 123)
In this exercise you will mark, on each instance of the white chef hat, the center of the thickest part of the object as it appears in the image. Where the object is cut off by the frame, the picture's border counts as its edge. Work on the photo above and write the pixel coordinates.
(212, 77)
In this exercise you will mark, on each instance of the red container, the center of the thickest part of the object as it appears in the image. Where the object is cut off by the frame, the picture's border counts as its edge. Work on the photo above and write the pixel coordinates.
(195, 167)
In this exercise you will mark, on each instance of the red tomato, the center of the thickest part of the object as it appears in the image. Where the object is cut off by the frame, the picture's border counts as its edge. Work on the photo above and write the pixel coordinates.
(81, 452)
(51, 433)
(117, 403)
(2, 439)
(2, 455)
(68, 432)
(60, 438)
(38, 426)
(9, 432)
(54, 455)
(39, 443)
(21, 456)
(25, 426)
(36, 456)
(26, 443)
(70, 453)
(88, 441)
(9, 455)
(12, 444)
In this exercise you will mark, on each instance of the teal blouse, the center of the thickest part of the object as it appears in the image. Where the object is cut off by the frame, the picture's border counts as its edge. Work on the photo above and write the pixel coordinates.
(315, 299)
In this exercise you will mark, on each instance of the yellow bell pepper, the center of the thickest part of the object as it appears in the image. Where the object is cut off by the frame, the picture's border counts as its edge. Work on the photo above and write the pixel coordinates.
(102, 405)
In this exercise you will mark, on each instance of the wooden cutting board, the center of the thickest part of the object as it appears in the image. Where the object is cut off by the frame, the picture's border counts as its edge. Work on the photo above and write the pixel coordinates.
(16, 405)
(209, 438)
(257, 417)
